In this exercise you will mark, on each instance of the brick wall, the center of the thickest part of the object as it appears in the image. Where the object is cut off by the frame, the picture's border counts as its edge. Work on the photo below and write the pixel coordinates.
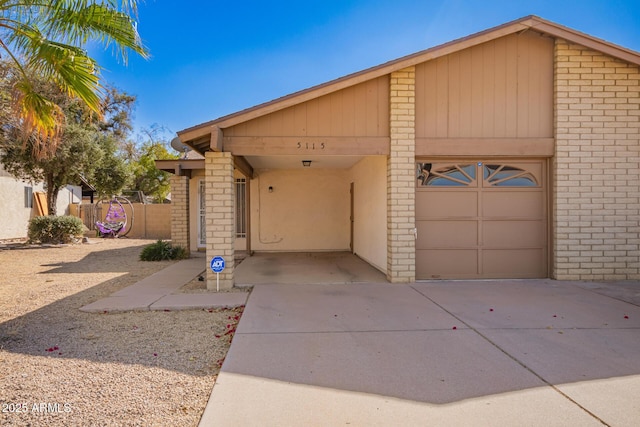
(220, 215)
(400, 179)
(596, 167)
(180, 211)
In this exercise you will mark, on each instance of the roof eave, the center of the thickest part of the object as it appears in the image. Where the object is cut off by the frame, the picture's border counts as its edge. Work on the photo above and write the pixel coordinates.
(175, 165)
(586, 40)
(197, 136)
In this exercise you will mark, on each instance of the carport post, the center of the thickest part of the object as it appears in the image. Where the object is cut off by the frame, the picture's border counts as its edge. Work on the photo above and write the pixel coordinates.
(401, 244)
(220, 215)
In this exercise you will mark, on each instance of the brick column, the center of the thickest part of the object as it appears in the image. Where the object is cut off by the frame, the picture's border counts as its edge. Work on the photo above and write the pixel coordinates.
(180, 211)
(401, 245)
(596, 166)
(220, 215)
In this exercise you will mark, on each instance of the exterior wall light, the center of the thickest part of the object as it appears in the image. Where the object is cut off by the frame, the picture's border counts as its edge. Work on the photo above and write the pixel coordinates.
(306, 163)
(270, 189)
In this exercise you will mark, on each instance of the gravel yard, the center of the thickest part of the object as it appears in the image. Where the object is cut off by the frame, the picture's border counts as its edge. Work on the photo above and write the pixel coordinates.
(61, 366)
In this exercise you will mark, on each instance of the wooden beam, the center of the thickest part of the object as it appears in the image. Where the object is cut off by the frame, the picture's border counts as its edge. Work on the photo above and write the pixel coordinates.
(317, 146)
(177, 166)
(216, 143)
(189, 135)
(485, 147)
(243, 166)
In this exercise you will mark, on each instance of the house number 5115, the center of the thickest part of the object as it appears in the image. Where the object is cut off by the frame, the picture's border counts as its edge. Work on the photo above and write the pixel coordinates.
(310, 146)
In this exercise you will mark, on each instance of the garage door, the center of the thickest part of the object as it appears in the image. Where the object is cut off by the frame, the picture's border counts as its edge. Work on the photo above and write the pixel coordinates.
(481, 219)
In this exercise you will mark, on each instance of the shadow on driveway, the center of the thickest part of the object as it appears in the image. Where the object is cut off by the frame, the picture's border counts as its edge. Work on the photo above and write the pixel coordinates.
(571, 351)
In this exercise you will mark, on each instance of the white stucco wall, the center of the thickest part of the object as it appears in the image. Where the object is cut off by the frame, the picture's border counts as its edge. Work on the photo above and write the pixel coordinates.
(308, 210)
(71, 194)
(370, 210)
(16, 215)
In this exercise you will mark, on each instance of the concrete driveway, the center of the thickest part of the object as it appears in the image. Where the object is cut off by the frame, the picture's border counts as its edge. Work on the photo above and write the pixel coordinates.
(438, 353)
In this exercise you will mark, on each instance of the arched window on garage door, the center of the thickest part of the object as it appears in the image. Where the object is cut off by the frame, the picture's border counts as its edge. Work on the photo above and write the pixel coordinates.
(464, 175)
(497, 175)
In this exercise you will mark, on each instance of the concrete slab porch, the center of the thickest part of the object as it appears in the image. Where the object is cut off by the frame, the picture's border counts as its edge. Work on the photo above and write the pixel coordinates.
(305, 268)
(159, 291)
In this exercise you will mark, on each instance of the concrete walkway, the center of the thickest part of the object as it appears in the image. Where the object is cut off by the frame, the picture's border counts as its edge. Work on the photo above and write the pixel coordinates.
(532, 352)
(158, 292)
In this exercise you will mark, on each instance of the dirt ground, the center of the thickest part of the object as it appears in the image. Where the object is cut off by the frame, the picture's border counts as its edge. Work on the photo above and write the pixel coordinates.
(61, 366)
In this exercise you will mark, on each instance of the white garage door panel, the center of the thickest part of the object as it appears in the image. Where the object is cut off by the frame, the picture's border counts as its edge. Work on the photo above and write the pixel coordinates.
(481, 219)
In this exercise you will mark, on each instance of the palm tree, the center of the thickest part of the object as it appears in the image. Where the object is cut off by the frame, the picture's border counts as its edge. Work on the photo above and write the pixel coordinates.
(48, 38)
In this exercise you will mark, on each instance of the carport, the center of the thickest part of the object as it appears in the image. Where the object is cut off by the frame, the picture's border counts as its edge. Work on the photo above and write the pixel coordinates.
(315, 170)
(464, 161)
(303, 268)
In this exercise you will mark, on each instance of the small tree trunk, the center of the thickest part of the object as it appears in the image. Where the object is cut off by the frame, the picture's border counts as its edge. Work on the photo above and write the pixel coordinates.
(52, 195)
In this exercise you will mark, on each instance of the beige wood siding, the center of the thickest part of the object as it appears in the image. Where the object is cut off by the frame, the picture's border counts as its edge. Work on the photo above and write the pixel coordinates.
(361, 110)
(499, 89)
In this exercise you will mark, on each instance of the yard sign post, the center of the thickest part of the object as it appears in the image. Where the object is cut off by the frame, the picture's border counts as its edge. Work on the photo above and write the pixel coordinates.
(217, 265)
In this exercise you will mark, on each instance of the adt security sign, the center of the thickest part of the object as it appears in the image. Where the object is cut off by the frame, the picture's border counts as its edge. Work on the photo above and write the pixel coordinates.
(217, 264)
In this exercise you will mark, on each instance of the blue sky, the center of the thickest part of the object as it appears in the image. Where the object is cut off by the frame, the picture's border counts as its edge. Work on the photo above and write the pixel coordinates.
(211, 58)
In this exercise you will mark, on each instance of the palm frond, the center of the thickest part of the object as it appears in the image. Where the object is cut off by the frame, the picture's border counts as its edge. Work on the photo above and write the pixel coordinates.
(71, 68)
(41, 118)
(48, 37)
(77, 22)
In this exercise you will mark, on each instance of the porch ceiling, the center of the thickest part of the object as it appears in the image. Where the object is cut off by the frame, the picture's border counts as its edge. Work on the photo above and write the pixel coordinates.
(295, 162)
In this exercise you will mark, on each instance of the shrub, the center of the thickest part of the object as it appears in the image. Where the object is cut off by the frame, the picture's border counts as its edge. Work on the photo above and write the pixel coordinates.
(54, 229)
(161, 250)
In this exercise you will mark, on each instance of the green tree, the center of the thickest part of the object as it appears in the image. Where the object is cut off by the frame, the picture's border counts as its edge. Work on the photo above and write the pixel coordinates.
(78, 151)
(47, 39)
(112, 173)
(149, 179)
(89, 145)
